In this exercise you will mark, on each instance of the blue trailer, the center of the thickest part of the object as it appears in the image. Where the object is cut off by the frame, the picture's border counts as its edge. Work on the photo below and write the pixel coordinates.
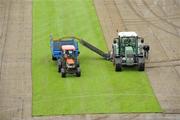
(65, 51)
(56, 47)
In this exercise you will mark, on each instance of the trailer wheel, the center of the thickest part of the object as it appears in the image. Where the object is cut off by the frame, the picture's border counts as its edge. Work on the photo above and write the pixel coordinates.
(118, 67)
(141, 66)
(53, 58)
(78, 72)
(63, 73)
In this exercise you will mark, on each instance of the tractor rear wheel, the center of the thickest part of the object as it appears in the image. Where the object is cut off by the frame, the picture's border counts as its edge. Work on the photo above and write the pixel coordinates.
(78, 72)
(59, 68)
(118, 67)
(63, 72)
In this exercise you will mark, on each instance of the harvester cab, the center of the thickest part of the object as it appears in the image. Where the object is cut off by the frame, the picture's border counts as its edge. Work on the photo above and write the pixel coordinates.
(129, 50)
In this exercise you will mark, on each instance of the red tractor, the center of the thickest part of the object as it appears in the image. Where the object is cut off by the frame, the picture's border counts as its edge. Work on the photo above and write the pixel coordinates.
(68, 63)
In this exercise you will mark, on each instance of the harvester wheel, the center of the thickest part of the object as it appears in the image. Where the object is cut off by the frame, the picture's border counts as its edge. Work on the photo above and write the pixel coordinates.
(78, 72)
(63, 72)
(141, 66)
(118, 67)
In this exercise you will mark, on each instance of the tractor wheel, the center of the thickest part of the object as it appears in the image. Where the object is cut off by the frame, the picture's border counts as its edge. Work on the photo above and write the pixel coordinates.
(54, 58)
(77, 65)
(59, 68)
(141, 66)
(59, 65)
(118, 67)
(63, 73)
(78, 72)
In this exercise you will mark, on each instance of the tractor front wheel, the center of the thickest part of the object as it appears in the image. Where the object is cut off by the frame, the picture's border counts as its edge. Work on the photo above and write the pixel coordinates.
(63, 72)
(78, 72)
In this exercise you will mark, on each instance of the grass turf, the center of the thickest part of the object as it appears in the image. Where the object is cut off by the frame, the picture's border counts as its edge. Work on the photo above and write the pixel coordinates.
(100, 89)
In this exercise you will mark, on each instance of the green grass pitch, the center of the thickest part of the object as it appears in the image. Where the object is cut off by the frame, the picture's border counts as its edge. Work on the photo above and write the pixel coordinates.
(100, 89)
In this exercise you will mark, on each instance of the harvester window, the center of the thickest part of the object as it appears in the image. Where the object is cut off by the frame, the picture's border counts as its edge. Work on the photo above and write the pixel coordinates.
(126, 41)
(132, 42)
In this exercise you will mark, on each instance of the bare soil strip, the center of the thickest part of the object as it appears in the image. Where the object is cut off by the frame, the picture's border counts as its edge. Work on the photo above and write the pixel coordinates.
(15, 59)
(160, 30)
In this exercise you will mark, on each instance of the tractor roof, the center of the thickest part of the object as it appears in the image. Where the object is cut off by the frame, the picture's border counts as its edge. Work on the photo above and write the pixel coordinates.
(127, 34)
(68, 47)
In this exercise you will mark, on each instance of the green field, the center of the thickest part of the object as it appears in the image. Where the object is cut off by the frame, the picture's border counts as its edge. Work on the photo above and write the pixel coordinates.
(100, 89)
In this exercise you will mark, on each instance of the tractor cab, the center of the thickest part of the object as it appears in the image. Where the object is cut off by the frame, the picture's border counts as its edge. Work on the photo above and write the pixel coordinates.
(68, 51)
(69, 55)
(68, 62)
